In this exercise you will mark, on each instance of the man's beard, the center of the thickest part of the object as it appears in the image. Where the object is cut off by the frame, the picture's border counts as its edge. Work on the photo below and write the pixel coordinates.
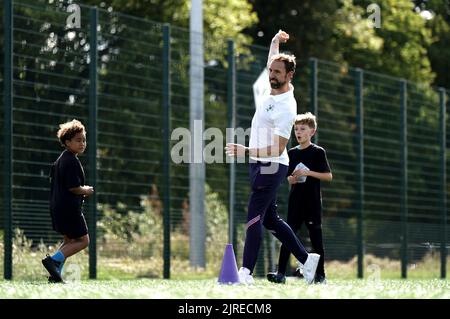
(276, 84)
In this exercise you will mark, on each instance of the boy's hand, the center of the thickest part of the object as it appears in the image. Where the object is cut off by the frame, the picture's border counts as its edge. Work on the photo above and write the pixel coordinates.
(87, 190)
(292, 180)
(281, 36)
(300, 172)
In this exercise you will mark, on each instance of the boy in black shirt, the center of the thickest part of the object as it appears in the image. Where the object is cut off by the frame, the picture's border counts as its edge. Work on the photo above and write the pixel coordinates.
(67, 192)
(308, 165)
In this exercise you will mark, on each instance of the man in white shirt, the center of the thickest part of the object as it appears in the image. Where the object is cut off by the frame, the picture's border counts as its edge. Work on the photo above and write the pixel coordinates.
(270, 133)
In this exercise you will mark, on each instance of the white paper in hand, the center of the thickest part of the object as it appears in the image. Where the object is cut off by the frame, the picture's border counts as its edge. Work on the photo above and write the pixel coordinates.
(301, 179)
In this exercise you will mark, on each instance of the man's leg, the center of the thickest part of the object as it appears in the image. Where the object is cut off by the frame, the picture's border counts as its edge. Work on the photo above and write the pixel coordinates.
(264, 188)
(284, 233)
(281, 230)
(257, 205)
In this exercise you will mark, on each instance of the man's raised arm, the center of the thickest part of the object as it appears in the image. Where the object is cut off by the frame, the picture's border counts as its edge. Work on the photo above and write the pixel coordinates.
(282, 37)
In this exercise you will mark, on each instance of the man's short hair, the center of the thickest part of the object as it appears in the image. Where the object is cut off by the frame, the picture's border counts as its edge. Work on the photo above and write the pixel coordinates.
(68, 130)
(306, 119)
(287, 59)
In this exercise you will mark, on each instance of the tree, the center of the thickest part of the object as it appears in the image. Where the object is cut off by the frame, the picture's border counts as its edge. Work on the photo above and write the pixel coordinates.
(222, 19)
(340, 31)
(438, 14)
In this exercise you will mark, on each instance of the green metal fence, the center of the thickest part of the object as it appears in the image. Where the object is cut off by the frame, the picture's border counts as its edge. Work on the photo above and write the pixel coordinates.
(385, 139)
(386, 142)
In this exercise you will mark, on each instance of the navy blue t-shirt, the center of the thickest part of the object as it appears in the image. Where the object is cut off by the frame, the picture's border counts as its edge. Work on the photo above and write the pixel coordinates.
(66, 173)
(306, 198)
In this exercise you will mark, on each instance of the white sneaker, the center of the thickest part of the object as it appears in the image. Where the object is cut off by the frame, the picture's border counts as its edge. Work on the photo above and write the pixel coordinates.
(309, 269)
(245, 277)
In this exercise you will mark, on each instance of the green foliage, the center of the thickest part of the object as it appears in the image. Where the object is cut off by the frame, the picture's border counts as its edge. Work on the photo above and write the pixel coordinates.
(439, 50)
(405, 42)
(222, 20)
(27, 259)
(28, 267)
(139, 233)
(23, 265)
(340, 31)
(216, 225)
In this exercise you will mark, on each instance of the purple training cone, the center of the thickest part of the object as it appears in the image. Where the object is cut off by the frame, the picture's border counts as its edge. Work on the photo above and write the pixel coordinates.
(229, 271)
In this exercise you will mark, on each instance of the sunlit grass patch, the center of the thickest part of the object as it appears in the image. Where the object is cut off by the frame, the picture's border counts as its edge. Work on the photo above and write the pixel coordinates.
(210, 289)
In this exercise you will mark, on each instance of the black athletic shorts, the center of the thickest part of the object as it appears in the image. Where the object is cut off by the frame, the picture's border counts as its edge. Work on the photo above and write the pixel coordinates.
(71, 225)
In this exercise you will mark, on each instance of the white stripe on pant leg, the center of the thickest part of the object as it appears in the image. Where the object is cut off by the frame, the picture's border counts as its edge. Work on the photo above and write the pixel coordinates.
(253, 221)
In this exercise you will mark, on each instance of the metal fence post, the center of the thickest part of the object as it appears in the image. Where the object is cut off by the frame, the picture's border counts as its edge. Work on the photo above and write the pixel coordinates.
(197, 166)
(404, 175)
(231, 102)
(360, 146)
(313, 92)
(166, 147)
(7, 135)
(92, 137)
(443, 176)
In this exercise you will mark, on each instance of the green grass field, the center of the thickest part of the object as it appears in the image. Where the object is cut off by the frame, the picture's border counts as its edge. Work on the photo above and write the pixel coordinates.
(210, 289)
(127, 277)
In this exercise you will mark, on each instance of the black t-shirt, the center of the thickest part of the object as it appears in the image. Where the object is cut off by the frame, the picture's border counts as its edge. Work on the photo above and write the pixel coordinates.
(306, 198)
(66, 173)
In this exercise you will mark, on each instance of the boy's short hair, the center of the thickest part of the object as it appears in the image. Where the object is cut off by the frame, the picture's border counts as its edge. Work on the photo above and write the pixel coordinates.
(287, 59)
(306, 119)
(68, 130)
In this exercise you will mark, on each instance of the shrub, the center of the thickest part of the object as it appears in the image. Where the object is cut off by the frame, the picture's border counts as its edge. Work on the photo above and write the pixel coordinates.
(136, 234)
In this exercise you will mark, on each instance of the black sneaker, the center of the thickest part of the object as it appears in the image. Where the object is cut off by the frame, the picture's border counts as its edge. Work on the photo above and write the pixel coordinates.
(52, 280)
(276, 277)
(320, 279)
(52, 268)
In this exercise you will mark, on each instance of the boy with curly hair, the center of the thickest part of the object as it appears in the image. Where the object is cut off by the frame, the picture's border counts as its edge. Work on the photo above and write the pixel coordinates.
(67, 193)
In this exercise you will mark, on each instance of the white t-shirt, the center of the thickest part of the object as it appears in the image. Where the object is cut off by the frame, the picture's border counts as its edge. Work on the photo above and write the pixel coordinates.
(275, 116)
